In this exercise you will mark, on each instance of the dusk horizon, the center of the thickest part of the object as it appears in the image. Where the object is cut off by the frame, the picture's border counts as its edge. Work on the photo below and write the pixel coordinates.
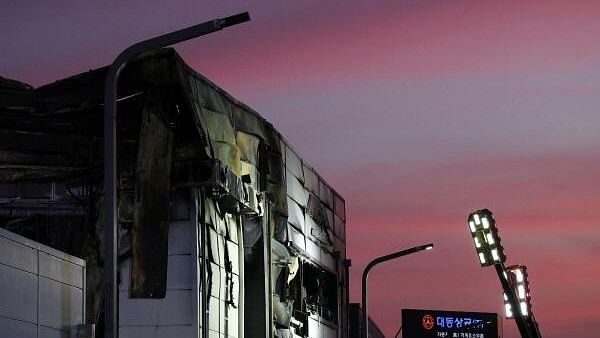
(416, 112)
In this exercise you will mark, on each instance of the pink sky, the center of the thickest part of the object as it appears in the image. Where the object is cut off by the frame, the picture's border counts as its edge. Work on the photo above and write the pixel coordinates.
(418, 112)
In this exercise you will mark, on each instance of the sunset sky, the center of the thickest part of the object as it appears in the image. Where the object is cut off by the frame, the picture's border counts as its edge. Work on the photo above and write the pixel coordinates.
(417, 112)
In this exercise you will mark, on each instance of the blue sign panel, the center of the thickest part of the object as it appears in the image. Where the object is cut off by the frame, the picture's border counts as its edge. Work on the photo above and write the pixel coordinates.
(448, 324)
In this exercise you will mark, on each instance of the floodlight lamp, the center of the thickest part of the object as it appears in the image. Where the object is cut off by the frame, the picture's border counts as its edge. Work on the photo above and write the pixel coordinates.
(485, 222)
(521, 292)
(520, 284)
(507, 308)
(524, 309)
(495, 255)
(508, 311)
(519, 275)
(485, 237)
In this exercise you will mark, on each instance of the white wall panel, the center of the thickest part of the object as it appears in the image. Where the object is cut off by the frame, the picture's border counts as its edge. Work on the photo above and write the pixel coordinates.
(163, 331)
(48, 332)
(175, 309)
(180, 272)
(18, 294)
(18, 255)
(41, 289)
(60, 270)
(17, 328)
(213, 314)
(180, 237)
(57, 304)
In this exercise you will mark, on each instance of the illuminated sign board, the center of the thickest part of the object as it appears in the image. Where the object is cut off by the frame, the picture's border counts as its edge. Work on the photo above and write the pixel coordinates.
(448, 324)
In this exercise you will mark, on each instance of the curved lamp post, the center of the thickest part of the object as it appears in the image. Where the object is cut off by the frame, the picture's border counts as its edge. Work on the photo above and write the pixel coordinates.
(111, 300)
(365, 275)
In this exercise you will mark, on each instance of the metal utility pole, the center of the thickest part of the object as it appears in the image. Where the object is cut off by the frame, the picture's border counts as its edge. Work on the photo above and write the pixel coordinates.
(111, 296)
(365, 275)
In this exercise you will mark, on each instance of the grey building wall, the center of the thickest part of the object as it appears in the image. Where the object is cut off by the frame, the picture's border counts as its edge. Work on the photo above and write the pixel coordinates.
(41, 290)
(355, 319)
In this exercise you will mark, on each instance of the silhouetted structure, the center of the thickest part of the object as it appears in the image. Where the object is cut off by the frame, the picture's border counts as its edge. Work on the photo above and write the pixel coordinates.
(225, 230)
(355, 318)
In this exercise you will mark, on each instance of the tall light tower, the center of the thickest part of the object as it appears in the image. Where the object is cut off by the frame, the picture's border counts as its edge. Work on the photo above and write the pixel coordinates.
(490, 251)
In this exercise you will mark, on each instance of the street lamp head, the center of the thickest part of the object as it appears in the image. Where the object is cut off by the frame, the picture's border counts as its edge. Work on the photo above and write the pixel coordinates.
(365, 275)
(485, 237)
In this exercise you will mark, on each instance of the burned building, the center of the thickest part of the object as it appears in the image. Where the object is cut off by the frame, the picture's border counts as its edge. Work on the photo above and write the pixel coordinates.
(224, 230)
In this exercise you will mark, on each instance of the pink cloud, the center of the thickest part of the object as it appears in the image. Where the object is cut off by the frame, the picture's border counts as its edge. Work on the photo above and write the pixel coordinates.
(430, 40)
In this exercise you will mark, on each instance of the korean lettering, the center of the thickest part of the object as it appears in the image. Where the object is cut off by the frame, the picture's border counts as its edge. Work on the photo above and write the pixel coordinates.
(467, 321)
(440, 321)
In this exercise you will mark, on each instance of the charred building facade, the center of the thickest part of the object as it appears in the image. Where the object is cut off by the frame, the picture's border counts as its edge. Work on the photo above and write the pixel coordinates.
(224, 230)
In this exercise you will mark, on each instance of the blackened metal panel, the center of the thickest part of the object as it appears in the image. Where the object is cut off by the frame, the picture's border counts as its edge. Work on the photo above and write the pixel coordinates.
(275, 166)
(340, 228)
(248, 145)
(293, 163)
(340, 206)
(311, 180)
(326, 194)
(151, 211)
(295, 190)
(295, 214)
(296, 238)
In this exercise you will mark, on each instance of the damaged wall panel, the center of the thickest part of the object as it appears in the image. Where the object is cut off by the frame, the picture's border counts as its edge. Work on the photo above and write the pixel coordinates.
(151, 209)
(193, 122)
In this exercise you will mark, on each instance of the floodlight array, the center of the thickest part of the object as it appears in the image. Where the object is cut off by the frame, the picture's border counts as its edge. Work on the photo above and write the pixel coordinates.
(508, 308)
(485, 237)
(518, 278)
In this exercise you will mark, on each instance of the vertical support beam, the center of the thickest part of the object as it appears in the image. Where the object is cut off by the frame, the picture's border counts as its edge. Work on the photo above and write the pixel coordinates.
(269, 269)
(111, 230)
(203, 269)
(346, 303)
(242, 276)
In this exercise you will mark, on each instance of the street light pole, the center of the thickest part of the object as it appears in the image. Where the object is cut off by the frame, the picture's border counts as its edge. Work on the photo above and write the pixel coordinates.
(111, 296)
(365, 275)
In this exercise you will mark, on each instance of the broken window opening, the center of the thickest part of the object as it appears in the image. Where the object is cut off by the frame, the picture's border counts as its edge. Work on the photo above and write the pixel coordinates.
(320, 288)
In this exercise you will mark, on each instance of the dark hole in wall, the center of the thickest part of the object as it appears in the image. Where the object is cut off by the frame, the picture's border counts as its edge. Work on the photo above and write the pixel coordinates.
(321, 291)
(255, 309)
(61, 232)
